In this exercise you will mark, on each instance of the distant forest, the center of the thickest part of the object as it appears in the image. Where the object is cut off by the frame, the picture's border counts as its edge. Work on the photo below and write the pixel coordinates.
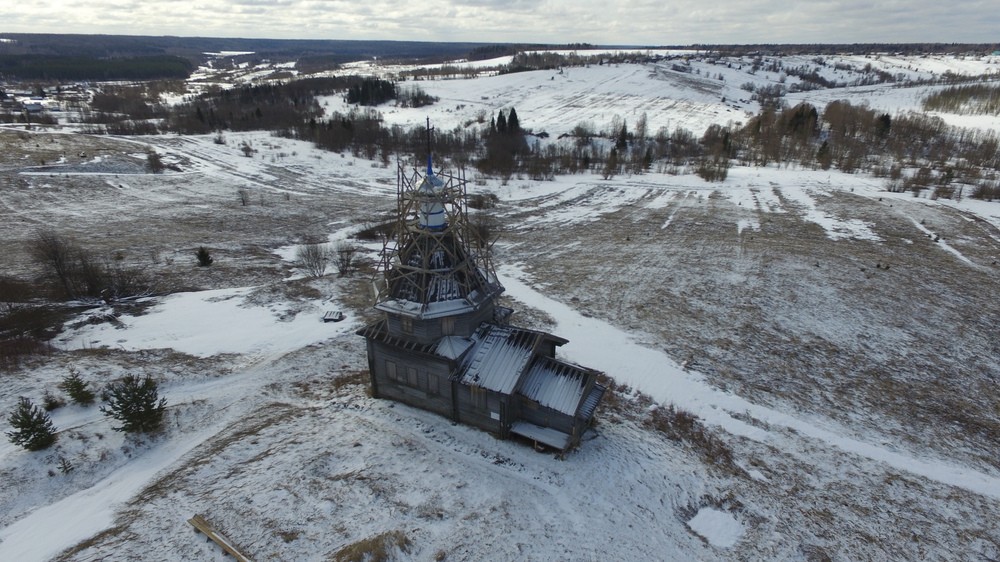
(35, 56)
(75, 68)
(912, 152)
(112, 57)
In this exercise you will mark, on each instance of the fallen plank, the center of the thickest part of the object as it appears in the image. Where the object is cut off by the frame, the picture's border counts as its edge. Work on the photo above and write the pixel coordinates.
(202, 524)
(333, 316)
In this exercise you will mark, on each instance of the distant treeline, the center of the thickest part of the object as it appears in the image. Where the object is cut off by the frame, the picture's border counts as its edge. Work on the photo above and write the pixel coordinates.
(79, 68)
(913, 151)
(850, 48)
(314, 51)
(973, 99)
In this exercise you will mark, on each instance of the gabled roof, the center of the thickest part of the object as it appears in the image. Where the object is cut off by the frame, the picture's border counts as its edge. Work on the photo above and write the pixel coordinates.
(555, 384)
(498, 358)
(453, 347)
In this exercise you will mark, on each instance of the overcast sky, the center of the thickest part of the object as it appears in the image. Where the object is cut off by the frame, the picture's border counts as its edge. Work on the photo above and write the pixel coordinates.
(605, 22)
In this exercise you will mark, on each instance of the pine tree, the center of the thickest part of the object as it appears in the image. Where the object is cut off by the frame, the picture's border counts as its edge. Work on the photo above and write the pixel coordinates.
(622, 141)
(33, 428)
(204, 257)
(502, 124)
(513, 125)
(77, 389)
(136, 404)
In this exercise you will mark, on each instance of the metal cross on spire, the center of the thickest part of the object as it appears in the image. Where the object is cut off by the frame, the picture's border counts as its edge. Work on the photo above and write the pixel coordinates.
(430, 167)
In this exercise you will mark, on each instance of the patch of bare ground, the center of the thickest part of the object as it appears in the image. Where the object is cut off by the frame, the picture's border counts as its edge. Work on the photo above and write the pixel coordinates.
(891, 338)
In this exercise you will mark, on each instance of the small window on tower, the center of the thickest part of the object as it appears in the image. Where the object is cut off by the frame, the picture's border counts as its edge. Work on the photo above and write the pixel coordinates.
(407, 323)
(448, 326)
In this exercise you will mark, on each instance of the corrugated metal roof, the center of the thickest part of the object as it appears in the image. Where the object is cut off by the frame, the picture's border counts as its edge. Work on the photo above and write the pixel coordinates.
(498, 358)
(555, 385)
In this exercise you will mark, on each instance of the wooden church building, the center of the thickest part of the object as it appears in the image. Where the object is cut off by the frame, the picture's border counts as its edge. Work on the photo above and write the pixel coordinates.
(444, 345)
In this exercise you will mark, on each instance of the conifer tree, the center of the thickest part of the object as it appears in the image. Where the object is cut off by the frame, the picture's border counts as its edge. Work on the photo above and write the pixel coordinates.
(621, 143)
(136, 404)
(33, 428)
(204, 256)
(77, 389)
(513, 125)
(502, 124)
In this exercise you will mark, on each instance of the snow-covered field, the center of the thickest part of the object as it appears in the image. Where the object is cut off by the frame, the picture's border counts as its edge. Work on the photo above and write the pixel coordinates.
(840, 341)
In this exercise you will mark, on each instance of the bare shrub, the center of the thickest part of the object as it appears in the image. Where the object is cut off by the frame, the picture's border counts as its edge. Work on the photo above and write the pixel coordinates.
(713, 169)
(82, 274)
(313, 258)
(345, 258)
(483, 229)
(376, 231)
(243, 196)
(154, 162)
(483, 200)
(987, 190)
(55, 253)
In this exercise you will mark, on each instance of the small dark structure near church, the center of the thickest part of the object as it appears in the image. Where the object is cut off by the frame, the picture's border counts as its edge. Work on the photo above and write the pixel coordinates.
(445, 346)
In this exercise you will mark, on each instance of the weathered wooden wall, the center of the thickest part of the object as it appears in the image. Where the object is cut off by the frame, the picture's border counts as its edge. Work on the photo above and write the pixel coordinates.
(533, 412)
(428, 331)
(416, 379)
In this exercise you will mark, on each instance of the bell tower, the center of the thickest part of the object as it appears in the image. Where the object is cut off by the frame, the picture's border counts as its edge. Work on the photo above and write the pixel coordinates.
(444, 345)
(437, 278)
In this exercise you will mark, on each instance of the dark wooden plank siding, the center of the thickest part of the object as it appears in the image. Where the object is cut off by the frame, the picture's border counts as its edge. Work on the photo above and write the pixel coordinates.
(428, 331)
(539, 415)
(415, 379)
(479, 407)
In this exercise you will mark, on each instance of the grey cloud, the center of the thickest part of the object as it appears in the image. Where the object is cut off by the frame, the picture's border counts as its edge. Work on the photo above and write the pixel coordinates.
(552, 21)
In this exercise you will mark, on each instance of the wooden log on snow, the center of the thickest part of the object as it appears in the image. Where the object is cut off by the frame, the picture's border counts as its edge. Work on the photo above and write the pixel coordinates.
(202, 524)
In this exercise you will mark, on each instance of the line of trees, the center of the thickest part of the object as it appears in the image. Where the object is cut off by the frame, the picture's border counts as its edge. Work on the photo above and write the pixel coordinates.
(982, 99)
(133, 402)
(843, 136)
(71, 68)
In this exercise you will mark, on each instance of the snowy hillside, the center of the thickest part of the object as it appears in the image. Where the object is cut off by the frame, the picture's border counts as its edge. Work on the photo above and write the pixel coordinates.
(837, 342)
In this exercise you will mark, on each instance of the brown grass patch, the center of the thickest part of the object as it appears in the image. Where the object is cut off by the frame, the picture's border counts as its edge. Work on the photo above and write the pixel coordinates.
(683, 426)
(383, 547)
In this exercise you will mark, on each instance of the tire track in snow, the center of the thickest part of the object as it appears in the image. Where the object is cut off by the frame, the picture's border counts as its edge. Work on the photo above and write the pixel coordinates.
(941, 243)
(656, 374)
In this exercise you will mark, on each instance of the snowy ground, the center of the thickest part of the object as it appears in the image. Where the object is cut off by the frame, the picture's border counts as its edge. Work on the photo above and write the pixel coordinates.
(845, 357)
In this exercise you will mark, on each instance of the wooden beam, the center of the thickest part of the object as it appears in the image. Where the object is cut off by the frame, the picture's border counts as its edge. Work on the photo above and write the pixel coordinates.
(201, 524)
